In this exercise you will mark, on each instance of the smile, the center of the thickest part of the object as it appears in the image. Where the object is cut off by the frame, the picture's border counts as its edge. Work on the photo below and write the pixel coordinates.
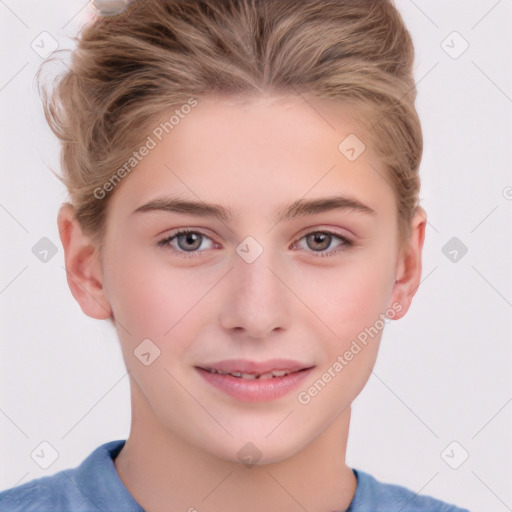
(248, 381)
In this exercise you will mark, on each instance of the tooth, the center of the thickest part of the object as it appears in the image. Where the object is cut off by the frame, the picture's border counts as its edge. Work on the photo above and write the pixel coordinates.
(251, 376)
(280, 373)
(241, 375)
(213, 370)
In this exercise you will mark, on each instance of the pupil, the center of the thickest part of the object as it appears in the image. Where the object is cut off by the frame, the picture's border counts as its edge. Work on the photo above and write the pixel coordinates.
(190, 238)
(319, 238)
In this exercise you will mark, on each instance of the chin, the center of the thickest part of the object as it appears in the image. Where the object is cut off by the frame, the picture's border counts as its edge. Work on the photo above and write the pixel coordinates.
(259, 451)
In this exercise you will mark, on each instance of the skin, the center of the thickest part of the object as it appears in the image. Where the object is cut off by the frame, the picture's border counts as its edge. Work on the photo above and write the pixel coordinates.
(254, 157)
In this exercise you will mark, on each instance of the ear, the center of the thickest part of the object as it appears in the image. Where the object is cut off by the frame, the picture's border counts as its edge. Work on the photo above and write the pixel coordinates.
(408, 271)
(83, 265)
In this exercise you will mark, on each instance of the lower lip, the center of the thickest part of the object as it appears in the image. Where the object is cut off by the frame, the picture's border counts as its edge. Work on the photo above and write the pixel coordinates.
(255, 390)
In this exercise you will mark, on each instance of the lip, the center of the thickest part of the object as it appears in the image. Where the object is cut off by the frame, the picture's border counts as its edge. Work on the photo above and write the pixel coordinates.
(255, 390)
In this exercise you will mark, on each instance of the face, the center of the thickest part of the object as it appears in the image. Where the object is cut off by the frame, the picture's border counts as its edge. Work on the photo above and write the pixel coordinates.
(304, 290)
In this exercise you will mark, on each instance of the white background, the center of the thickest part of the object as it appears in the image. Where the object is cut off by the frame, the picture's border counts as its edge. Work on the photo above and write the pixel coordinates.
(444, 372)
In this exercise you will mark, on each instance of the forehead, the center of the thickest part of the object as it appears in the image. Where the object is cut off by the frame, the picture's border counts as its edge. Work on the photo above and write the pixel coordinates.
(254, 152)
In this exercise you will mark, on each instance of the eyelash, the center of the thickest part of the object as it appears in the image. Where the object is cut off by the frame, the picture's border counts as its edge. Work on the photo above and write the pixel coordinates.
(346, 243)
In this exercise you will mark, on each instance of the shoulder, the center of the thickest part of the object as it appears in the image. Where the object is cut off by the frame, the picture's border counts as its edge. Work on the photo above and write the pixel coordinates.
(54, 492)
(93, 485)
(374, 496)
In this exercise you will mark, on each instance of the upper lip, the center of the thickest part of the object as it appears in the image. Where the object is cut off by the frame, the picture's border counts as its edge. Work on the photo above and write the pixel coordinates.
(254, 367)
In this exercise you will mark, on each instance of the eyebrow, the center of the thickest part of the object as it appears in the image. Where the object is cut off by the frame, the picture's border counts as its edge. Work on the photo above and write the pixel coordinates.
(299, 208)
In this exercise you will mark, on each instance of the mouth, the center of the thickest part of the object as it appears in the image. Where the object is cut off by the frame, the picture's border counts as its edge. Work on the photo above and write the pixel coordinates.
(255, 376)
(255, 382)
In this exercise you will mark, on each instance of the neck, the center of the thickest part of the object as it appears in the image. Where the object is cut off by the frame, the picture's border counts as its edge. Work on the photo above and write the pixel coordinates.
(161, 470)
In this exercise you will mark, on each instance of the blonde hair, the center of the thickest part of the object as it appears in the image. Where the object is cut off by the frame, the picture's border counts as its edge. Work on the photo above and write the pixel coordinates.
(128, 70)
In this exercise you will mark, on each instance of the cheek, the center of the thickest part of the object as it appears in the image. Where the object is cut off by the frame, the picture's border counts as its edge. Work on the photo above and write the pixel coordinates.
(349, 297)
(149, 298)
(350, 301)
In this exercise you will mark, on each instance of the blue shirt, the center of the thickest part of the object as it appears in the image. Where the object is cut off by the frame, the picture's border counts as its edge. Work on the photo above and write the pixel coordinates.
(95, 486)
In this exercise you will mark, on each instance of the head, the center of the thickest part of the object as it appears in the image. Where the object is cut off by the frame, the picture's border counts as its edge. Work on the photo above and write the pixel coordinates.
(248, 107)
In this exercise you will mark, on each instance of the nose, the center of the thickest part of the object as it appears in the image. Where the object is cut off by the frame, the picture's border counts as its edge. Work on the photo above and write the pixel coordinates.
(256, 300)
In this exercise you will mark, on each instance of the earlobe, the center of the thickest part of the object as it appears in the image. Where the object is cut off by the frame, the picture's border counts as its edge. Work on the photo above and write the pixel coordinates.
(83, 266)
(409, 264)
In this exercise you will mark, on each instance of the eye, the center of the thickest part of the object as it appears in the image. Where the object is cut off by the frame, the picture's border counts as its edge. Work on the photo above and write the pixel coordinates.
(318, 241)
(192, 242)
(185, 241)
